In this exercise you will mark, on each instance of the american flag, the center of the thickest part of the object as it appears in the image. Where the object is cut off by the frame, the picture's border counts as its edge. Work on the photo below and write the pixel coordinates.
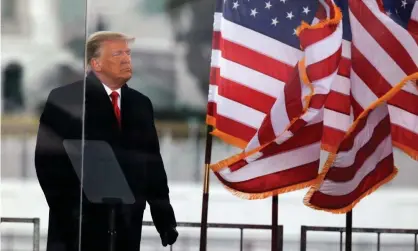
(259, 51)
(267, 95)
(384, 98)
(251, 63)
(413, 21)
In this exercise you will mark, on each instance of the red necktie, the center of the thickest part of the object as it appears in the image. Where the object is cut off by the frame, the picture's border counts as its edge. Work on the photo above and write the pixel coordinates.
(115, 96)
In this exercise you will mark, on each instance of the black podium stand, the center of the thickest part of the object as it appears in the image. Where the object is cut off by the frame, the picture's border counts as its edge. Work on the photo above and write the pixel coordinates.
(102, 179)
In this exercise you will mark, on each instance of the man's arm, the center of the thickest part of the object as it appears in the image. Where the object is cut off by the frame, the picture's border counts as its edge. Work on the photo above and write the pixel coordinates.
(157, 186)
(51, 162)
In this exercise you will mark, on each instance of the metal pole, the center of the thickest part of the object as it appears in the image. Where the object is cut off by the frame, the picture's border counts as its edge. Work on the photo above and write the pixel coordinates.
(36, 234)
(274, 223)
(303, 238)
(348, 230)
(241, 240)
(205, 199)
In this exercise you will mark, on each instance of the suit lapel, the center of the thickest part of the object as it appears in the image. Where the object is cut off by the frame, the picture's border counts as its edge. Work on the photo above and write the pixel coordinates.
(126, 106)
(98, 102)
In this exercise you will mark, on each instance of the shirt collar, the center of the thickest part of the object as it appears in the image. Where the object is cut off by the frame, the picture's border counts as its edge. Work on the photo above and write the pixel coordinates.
(109, 91)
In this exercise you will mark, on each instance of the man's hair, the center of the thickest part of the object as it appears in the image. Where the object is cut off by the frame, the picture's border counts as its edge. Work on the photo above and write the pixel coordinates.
(94, 42)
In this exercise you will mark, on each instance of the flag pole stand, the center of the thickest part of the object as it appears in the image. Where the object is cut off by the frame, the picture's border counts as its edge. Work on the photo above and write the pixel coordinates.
(205, 197)
(274, 223)
(348, 230)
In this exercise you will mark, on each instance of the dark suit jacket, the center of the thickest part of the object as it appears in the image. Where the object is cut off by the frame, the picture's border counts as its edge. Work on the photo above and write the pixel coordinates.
(137, 150)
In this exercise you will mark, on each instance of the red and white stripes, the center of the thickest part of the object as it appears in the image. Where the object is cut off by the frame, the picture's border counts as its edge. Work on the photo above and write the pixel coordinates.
(248, 70)
(337, 111)
(413, 22)
(281, 105)
(284, 153)
(384, 59)
(385, 53)
(364, 162)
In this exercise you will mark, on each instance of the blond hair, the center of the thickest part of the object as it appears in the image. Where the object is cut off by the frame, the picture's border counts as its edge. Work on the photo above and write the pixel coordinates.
(94, 42)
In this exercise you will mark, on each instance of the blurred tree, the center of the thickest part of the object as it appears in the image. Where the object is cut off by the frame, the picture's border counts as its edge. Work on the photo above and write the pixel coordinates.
(12, 91)
(173, 4)
(198, 37)
(8, 9)
(77, 44)
(152, 6)
(101, 24)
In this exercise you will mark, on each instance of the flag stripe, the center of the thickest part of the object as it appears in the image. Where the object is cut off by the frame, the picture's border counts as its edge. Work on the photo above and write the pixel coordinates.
(321, 12)
(281, 179)
(336, 120)
(342, 188)
(288, 160)
(246, 76)
(234, 110)
(268, 130)
(338, 102)
(345, 66)
(314, 36)
(392, 46)
(249, 58)
(383, 171)
(413, 22)
(246, 96)
(216, 40)
(353, 159)
(319, 38)
(357, 108)
(319, 69)
(404, 137)
(388, 68)
(259, 43)
(413, 27)
(306, 137)
(367, 73)
(363, 129)
(342, 84)
(211, 107)
(215, 76)
(404, 119)
(237, 129)
(383, 55)
(292, 98)
(290, 133)
(331, 137)
(317, 101)
(361, 92)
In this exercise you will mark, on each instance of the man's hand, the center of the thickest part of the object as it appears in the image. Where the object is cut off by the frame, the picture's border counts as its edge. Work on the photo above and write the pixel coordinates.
(169, 236)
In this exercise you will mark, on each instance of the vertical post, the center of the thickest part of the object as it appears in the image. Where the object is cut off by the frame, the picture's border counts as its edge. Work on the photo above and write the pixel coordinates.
(241, 239)
(303, 238)
(348, 230)
(194, 135)
(36, 234)
(205, 199)
(24, 157)
(274, 223)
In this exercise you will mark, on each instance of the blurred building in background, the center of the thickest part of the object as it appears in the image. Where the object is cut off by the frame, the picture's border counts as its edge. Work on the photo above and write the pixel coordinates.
(46, 38)
(42, 47)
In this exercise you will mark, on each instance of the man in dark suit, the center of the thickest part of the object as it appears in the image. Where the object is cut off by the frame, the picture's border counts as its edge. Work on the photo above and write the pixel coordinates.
(120, 116)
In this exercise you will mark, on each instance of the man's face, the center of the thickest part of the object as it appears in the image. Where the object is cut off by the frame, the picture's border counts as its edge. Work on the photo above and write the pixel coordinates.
(115, 60)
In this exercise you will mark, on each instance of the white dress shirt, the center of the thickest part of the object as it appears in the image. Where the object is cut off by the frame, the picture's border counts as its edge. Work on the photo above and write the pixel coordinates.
(109, 91)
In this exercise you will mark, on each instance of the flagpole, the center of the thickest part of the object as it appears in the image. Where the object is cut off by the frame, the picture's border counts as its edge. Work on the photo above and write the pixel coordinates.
(274, 223)
(205, 198)
(348, 230)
